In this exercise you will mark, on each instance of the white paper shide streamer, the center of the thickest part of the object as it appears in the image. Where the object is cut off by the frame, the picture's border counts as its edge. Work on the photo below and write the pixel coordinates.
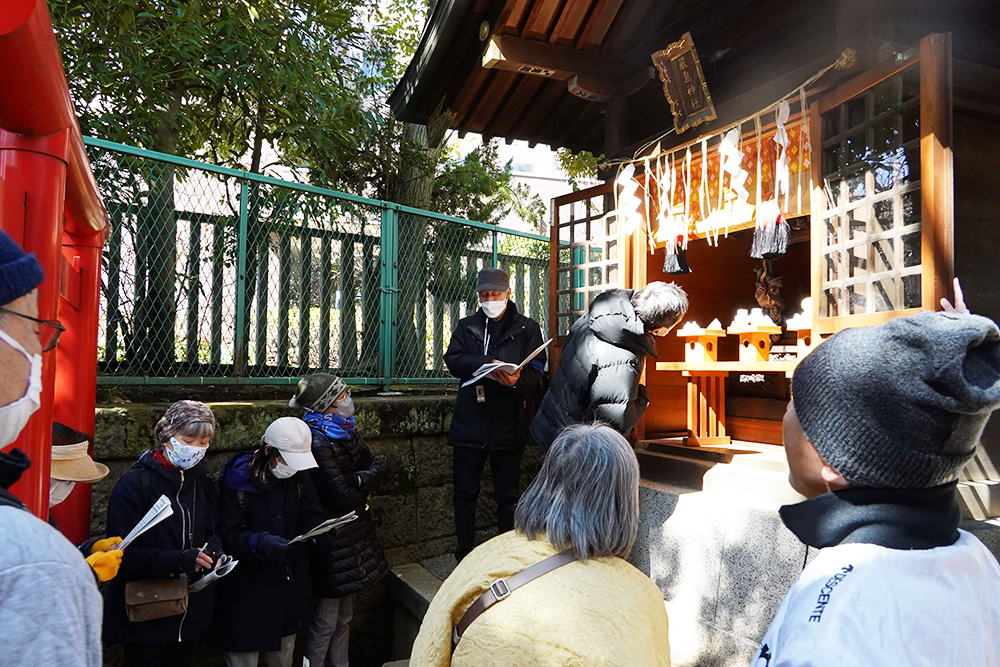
(629, 204)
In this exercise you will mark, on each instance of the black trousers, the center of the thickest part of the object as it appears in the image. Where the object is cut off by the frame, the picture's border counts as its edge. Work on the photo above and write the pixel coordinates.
(467, 470)
(160, 655)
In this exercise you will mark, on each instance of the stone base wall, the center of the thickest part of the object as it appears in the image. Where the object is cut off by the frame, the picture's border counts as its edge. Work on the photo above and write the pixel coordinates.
(412, 509)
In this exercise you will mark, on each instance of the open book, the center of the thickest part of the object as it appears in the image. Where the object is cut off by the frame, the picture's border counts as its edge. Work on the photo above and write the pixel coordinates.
(160, 510)
(509, 368)
(325, 527)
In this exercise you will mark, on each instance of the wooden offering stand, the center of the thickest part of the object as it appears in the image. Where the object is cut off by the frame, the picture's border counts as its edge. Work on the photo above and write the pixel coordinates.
(805, 342)
(702, 345)
(706, 376)
(706, 404)
(755, 342)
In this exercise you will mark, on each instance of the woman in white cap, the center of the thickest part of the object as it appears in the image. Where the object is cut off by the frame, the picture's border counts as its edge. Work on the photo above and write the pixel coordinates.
(265, 500)
(72, 465)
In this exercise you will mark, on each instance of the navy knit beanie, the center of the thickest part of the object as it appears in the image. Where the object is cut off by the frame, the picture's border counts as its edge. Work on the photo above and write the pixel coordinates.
(903, 404)
(20, 272)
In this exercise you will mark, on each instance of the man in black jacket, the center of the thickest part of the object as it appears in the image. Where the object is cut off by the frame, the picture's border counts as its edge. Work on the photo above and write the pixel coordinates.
(488, 420)
(598, 374)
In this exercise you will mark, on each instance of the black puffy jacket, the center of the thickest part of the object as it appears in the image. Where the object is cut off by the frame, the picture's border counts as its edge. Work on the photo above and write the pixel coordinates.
(158, 552)
(598, 374)
(499, 422)
(263, 600)
(349, 559)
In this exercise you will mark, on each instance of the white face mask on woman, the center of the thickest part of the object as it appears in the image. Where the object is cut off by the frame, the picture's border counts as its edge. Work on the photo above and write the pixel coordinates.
(59, 490)
(14, 416)
(345, 408)
(184, 456)
(282, 470)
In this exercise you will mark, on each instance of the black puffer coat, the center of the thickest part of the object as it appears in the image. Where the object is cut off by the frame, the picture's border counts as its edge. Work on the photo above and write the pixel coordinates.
(598, 374)
(349, 559)
(499, 422)
(158, 552)
(261, 600)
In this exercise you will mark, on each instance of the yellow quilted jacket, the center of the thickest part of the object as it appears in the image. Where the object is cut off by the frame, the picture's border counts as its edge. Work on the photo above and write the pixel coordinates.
(600, 612)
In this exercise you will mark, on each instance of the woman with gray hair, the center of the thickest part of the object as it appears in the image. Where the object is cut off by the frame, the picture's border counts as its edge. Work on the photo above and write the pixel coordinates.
(556, 590)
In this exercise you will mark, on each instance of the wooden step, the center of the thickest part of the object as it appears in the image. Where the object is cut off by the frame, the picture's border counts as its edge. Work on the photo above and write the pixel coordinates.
(741, 453)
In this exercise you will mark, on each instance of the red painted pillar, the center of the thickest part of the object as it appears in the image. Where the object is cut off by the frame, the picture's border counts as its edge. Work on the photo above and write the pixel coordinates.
(76, 382)
(32, 198)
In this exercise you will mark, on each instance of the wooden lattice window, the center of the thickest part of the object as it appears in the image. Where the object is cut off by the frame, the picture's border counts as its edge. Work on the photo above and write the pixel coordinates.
(871, 176)
(882, 234)
(584, 253)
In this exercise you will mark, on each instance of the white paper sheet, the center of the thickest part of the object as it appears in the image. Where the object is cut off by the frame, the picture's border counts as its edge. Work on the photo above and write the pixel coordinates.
(326, 526)
(160, 510)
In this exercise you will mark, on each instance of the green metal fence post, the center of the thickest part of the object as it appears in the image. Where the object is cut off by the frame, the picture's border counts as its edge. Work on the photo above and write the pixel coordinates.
(496, 246)
(389, 286)
(240, 337)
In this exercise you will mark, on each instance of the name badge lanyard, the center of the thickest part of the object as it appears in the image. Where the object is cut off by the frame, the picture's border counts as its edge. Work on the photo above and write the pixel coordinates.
(480, 389)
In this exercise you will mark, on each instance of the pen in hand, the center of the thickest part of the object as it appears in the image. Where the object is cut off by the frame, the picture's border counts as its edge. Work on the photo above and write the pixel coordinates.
(203, 561)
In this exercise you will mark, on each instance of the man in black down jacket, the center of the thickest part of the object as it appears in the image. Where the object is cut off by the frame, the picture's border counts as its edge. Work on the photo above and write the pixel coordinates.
(488, 420)
(598, 374)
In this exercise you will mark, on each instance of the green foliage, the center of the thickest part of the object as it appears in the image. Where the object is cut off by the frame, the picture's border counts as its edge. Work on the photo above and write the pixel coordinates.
(475, 187)
(578, 166)
(479, 187)
(520, 246)
(224, 79)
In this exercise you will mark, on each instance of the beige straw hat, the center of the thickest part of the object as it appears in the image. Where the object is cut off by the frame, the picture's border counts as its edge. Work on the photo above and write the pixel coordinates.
(71, 463)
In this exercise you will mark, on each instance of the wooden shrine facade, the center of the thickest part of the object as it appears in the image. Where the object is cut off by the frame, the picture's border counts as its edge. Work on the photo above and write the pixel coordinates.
(893, 157)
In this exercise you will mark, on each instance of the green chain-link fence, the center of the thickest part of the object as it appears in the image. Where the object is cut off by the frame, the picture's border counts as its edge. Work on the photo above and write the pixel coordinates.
(213, 275)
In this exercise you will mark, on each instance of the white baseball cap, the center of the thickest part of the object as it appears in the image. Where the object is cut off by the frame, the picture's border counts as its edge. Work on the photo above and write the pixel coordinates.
(293, 439)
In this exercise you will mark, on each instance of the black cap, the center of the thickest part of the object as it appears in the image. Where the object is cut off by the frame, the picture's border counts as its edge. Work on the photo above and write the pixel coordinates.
(493, 279)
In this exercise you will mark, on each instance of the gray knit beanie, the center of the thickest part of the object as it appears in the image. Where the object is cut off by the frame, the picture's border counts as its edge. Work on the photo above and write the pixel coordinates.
(317, 392)
(181, 415)
(902, 404)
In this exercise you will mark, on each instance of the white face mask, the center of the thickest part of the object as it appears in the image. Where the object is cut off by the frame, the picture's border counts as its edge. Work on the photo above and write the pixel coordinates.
(184, 456)
(494, 309)
(345, 408)
(13, 417)
(59, 490)
(282, 470)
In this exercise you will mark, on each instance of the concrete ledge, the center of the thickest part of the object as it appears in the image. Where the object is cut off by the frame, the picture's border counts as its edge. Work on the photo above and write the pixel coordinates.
(413, 586)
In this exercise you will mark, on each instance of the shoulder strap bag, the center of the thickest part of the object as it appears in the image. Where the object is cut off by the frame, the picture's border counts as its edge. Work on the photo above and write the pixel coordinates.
(503, 587)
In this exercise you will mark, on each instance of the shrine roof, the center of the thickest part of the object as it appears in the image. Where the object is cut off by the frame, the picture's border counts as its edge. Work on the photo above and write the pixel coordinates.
(547, 60)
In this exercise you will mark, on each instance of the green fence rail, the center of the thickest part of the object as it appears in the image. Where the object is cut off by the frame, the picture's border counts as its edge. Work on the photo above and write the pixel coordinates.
(218, 276)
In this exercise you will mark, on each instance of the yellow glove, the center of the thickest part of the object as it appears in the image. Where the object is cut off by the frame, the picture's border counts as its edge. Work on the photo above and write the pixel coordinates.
(105, 544)
(105, 564)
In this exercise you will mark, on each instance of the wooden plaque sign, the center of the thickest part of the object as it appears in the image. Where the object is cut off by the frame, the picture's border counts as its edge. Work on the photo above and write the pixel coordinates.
(684, 84)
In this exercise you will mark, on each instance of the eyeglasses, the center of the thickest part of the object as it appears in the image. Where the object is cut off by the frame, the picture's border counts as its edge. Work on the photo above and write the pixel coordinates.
(48, 336)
